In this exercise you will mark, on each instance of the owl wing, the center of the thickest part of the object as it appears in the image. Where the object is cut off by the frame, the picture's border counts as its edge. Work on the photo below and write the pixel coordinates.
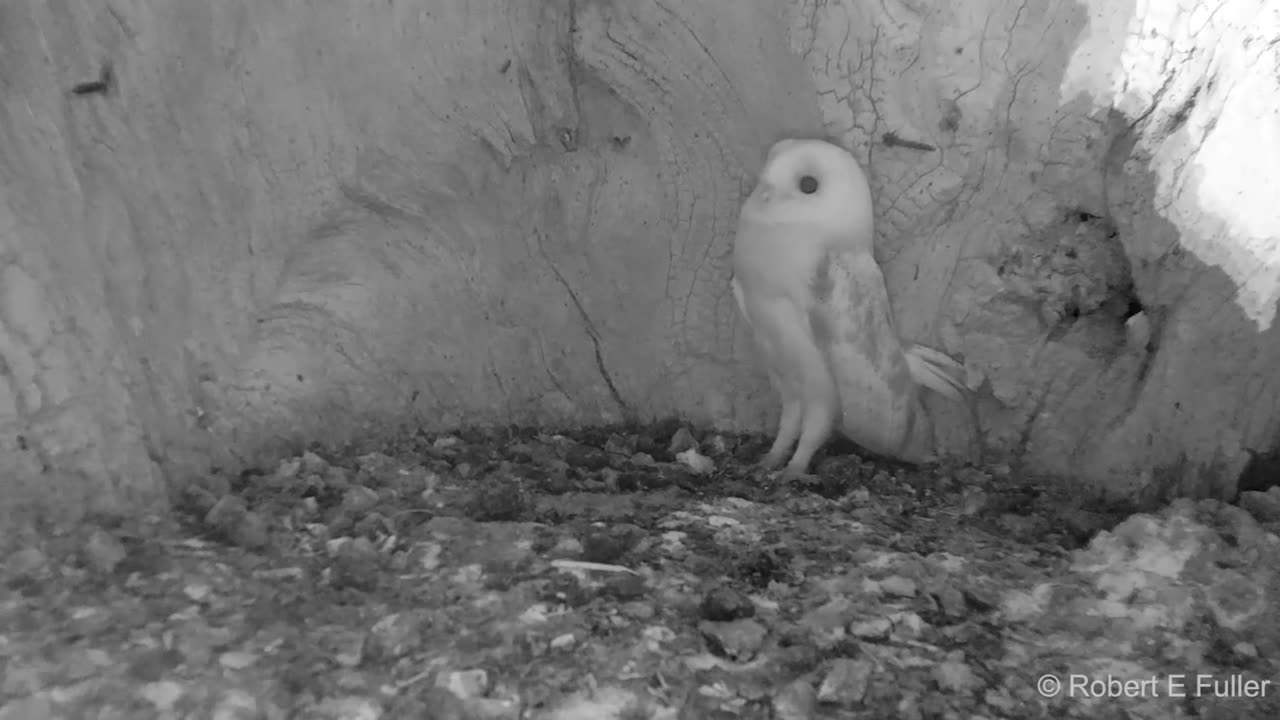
(852, 323)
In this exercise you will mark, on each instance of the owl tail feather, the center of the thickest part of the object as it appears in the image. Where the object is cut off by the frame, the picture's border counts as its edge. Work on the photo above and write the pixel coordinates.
(935, 370)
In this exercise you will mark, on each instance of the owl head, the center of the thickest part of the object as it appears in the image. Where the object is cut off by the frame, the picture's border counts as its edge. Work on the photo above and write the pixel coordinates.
(815, 186)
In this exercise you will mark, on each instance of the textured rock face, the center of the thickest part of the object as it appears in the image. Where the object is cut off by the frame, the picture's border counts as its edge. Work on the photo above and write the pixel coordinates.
(299, 220)
(1066, 200)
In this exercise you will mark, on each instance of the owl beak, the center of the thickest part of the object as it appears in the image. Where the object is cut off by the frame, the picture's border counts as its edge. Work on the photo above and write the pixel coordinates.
(763, 192)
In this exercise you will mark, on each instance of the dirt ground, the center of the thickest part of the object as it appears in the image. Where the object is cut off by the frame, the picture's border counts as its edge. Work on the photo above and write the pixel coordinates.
(643, 573)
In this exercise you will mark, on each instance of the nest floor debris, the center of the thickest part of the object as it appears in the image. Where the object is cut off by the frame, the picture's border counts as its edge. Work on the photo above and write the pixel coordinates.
(643, 573)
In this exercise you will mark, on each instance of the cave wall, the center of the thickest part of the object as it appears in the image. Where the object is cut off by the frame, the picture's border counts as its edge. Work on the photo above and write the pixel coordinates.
(1191, 187)
(296, 221)
(300, 221)
(1074, 211)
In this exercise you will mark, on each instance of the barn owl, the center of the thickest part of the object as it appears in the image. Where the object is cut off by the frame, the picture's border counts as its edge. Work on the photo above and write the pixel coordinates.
(812, 295)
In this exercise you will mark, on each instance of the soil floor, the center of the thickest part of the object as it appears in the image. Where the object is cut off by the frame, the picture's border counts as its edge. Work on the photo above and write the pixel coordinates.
(643, 574)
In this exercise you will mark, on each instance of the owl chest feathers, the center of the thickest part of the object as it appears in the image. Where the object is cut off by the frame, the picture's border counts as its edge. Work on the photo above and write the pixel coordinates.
(776, 272)
(779, 262)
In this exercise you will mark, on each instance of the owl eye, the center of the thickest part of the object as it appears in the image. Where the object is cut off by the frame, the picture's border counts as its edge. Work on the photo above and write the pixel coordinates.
(808, 184)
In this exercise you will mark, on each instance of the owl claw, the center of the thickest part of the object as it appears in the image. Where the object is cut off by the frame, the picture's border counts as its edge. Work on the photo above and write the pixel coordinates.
(791, 475)
(768, 464)
(772, 467)
(764, 470)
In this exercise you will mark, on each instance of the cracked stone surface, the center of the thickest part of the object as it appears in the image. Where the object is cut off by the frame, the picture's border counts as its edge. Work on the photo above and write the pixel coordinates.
(307, 222)
(1026, 158)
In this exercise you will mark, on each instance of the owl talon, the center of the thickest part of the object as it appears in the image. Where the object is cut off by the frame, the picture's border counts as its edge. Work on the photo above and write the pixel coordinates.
(792, 475)
(768, 464)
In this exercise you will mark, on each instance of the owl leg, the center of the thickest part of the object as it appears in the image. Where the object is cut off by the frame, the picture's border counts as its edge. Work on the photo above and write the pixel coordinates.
(788, 431)
(815, 427)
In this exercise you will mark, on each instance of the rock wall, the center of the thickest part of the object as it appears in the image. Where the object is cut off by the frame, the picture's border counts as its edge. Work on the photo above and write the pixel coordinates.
(1078, 198)
(302, 221)
(291, 221)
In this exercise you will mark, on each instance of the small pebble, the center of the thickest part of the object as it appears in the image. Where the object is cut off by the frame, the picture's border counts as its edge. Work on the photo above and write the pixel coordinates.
(236, 705)
(683, 440)
(873, 629)
(313, 463)
(600, 545)
(163, 694)
(234, 660)
(349, 708)
(465, 684)
(796, 701)
(37, 707)
(288, 468)
(621, 444)
(624, 587)
(26, 562)
(700, 464)
(197, 591)
(739, 640)
(358, 499)
(973, 500)
(637, 610)
(898, 586)
(724, 603)
(252, 532)
(956, 677)
(226, 512)
(103, 551)
(951, 601)
(643, 459)
(1265, 506)
(845, 682)
(394, 637)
